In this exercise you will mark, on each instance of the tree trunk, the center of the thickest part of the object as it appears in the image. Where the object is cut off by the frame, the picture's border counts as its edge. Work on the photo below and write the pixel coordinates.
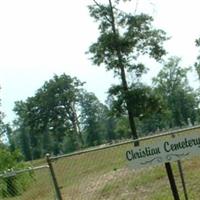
(76, 127)
(128, 103)
(123, 79)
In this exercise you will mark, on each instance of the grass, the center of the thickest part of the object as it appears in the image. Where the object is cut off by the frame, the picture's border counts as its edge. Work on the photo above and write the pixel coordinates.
(104, 175)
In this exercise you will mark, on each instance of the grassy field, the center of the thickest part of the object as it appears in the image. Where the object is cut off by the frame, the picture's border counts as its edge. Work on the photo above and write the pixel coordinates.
(104, 174)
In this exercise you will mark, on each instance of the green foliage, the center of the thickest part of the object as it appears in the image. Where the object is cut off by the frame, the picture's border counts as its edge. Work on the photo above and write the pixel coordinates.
(151, 113)
(68, 144)
(12, 185)
(50, 115)
(62, 117)
(133, 36)
(90, 110)
(124, 37)
(172, 85)
(9, 159)
(122, 128)
(197, 63)
(171, 77)
(144, 100)
(1, 123)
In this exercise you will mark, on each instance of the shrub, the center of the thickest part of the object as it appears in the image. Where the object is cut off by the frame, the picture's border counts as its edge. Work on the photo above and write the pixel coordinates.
(10, 183)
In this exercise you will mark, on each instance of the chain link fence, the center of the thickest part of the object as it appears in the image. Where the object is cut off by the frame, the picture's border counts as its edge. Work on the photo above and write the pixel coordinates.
(101, 173)
(27, 184)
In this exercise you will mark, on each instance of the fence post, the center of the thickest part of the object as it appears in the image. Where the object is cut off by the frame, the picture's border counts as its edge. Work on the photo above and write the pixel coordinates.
(53, 176)
(182, 176)
(172, 181)
(182, 179)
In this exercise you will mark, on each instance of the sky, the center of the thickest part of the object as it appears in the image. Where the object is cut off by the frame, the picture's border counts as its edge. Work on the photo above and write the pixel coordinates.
(41, 38)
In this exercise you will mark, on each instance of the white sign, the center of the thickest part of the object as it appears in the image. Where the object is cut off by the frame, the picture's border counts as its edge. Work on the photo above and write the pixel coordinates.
(164, 150)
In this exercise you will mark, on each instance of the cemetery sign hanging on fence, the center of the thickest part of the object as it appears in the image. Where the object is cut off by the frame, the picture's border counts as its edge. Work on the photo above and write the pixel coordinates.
(164, 150)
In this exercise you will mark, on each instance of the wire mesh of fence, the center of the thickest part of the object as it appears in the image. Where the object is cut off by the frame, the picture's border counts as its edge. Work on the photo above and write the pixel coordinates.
(102, 173)
(27, 184)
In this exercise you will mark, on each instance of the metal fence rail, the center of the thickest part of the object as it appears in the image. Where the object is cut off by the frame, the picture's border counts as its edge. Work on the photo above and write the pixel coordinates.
(100, 173)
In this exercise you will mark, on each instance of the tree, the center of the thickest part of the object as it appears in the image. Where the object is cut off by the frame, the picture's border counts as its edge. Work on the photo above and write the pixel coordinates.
(13, 185)
(111, 123)
(148, 110)
(172, 84)
(122, 129)
(60, 118)
(93, 114)
(147, 100)
(8, 132)
(1, 123)
(22, 136)
(123, 38)
(10, 159)
(52, 114)
(197, 63)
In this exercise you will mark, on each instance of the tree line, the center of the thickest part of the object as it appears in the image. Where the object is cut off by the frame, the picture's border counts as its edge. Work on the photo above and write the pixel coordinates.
(62, 116)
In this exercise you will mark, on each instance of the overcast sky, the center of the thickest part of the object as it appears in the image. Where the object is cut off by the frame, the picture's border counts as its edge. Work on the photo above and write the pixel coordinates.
(42, 37)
